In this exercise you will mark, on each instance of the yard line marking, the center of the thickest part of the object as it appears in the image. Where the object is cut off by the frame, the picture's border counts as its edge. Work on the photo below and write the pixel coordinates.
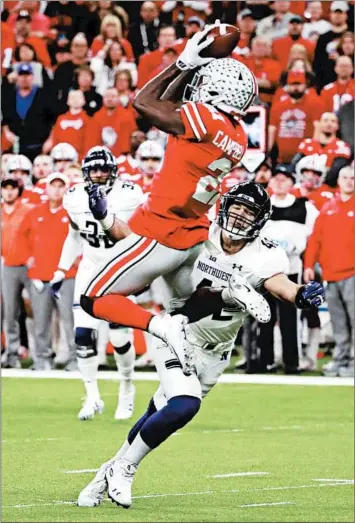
(183, 494)
(346, 481)
(238, 474)
(79, 471)
(256, 379)
(268, 504)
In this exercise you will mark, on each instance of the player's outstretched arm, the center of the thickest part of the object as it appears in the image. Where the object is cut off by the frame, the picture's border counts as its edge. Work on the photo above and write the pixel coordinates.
(303, 296)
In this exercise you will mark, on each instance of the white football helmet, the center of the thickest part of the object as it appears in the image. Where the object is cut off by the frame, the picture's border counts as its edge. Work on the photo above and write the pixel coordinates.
(224, 83)
(64, 151)
(315, 163)
(19, 162)
(150, 155)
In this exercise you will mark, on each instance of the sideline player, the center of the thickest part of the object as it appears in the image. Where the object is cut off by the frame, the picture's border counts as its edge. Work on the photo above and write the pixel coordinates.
(86, 234)
(167, 232)
(236, 263)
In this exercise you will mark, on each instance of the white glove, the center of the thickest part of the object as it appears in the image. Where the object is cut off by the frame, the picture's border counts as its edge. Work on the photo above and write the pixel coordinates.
(190, 57)
(56, 283)
(38, 285)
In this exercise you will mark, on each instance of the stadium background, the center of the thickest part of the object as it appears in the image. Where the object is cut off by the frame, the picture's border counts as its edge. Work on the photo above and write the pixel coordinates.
(49, 49)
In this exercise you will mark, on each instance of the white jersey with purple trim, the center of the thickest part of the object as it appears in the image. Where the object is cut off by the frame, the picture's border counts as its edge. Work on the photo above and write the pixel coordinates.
(122, 200)
(257, 261)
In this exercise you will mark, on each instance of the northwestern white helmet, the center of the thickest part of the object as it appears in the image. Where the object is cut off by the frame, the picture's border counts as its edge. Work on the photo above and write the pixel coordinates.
(313, 162)
(150, 155)
(224, 83)
(64, 151)
(19, 162)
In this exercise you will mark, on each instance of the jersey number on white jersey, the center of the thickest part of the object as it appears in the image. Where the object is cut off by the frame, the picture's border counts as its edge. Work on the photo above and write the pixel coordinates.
(94, 238)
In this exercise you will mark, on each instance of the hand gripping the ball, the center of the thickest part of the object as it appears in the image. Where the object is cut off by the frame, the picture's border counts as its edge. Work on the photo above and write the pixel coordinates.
(190, 57)
(97, 201)
(310, 295)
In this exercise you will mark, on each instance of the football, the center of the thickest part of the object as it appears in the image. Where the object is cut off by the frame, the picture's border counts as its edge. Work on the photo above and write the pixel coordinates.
(226, 37)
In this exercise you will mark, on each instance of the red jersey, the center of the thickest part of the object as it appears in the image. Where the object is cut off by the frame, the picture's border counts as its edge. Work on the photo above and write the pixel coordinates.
(73, 129)
(128, 168)
(294, 121)
(334, 149)
(318, 197)
(34, 196)
(335, 95)
(188, 183)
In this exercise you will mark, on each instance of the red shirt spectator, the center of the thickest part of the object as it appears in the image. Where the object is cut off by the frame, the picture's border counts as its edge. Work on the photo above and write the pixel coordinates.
(14, 248)
(334, 251)
(72, 126)
(282, 46)
(340, 92)
(150, 61)
(40, 25)
(23, 29)
(111, 29)
(319, 197)
(293, 118)
(266, 70)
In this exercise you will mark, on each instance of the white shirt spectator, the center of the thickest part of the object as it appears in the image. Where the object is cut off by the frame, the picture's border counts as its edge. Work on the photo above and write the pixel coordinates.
(312, 30)
(105, 75)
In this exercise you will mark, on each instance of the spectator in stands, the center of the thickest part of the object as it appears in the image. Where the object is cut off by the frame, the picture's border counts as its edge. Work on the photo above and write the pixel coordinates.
(340, 92)
(327, 43)
(63, 154)
(72, 126)
(46, 228)
(315, 25)
(65, 74)
(310, 175)
(335, 253)
(169, 56)
(291, 223)
(105, 127)
(192, 26)
(247, 25)
(110, 59)
(337, 153)
(263, 173)
(125, 111)
(26, 54)
(293, 118)
(40, 23)
(23, 29)
(127, 164)
(124, 85)
(64, 18)
(281, 47)
(150, 61)
(143, 33)
(5, 158)
(111, 31)
(266, 70)
(20, 167)
(85, 79)
(182, 11)
(300, 65)
(59, 51)
(345, 47)
(27, 112)
(276, 25)
(15, 254)
(346, 124)
(74, 173)
(42, 167)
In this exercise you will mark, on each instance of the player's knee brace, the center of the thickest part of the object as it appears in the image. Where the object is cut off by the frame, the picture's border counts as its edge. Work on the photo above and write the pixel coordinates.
(181, 409)
(85, 340)
(120, 337)
(87, 304)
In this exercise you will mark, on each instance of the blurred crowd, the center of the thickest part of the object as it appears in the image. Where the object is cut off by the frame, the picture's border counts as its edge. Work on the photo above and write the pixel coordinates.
(70, 71)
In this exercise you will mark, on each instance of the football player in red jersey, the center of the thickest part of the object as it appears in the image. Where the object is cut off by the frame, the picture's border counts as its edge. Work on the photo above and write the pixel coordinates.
(336, 152)
(166, 233)
(310, 171)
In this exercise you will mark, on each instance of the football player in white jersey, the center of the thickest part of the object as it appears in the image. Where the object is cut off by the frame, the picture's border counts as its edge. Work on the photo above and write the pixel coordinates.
(87, 236)
(236, 264)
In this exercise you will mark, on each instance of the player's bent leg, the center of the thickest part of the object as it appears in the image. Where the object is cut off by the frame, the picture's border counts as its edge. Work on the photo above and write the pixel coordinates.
(124, 354)
(137, 262)
(85, 339)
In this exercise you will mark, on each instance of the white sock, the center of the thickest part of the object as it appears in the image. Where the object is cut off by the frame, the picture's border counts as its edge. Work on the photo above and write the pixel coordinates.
(122, 450)
(125, 367)
(137, 451)
(88, 370)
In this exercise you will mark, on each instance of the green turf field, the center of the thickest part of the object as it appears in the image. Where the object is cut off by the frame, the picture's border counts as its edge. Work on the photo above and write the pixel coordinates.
(295, 435)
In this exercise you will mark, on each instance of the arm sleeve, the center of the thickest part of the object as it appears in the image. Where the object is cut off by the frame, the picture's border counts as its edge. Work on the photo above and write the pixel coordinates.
(71, 249)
